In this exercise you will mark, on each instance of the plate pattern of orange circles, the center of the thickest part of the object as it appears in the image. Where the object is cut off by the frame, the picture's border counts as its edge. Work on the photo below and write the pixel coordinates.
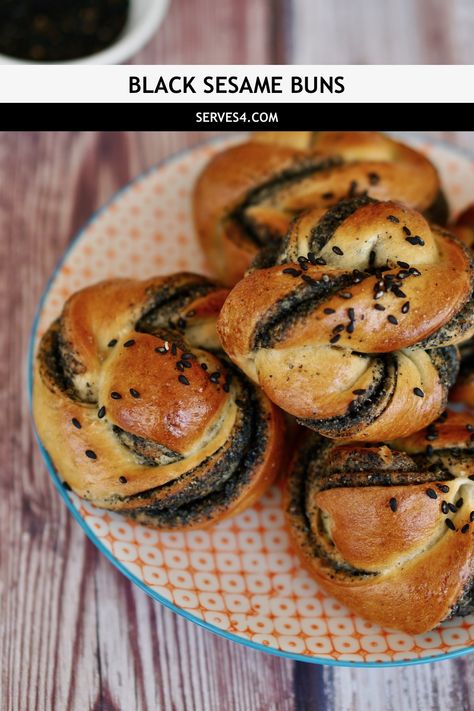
(239, 578)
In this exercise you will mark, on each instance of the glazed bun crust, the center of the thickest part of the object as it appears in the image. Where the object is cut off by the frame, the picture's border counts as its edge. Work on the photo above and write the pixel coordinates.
(140, 412)
(370, 523)
(353, 330)
(247, 196)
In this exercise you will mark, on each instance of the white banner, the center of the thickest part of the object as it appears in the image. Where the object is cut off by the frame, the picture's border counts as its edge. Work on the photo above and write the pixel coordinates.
(239, 83)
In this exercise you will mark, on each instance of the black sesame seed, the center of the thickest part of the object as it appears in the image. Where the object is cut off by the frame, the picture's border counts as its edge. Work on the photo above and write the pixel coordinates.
(392, 218)
(359, 391)
(379, 307)
(444, 507)
(469, 428)
(320, 261)
(443, 487)
(351, 313)
(334, 339)
(393, 504)
(183, 379)
(415, 240)
(134, 393)
(204, 366)
(352, 188)
(392, 319)
(465, 528)
(329, 311)
(129, 343)
(406, 230)
(309, 280)
(398, 292)
(471, 516)
(122, 479)
(214, 377)
(374, 178)
(76, 423)
(115, 395)
(345, 295)
(449, 524)
(186, 356)
(371, 258)
(406, 307)
(161, 350)
(429, 450)
(459, 503)
(419, 392)
(226, 387)
(302, 259)
(292, 272)
(181, 323)
(112, 343)
(431, 436)
(186, 364)
(337, 250)
(339, 328)
(378, 294)
(452, 507)
(91, 454)
(414, 272)
(101, 412)
(403, 265)
(350, 327)
(174, 349)
(431, 493)
(180, 366)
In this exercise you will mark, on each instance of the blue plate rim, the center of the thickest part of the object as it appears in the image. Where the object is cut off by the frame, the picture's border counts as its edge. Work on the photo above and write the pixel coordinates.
(88, 531)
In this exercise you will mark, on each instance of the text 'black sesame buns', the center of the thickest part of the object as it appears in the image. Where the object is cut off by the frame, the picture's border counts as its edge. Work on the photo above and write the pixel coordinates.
(141, 413)
(388, 528)
(353, 329)
(247, 195)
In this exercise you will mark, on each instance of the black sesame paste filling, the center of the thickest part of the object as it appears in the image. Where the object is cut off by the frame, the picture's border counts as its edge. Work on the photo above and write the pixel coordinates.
(283, 314)
(232, 472)
(333, 219)
(259, 235)
(363, 410)
(57, 364)
(168, 300)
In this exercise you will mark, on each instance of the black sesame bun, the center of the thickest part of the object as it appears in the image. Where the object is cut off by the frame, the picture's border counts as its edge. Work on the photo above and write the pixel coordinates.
(142, 414)
(353, 330)
(247, 196)
(387, 528)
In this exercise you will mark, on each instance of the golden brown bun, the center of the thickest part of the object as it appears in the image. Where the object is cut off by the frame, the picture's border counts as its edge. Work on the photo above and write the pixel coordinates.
(352, 330)
(141, 414)
(247, 195)
(369, 523)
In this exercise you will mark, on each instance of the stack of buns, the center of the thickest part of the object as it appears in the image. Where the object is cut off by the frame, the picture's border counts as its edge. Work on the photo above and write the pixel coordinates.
(341, 300)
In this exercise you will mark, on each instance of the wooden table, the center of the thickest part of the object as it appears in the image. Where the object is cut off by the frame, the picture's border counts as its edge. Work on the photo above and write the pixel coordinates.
(75, 634)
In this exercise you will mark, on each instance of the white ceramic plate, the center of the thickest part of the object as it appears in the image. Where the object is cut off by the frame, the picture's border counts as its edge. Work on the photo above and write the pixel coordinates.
(240, 578)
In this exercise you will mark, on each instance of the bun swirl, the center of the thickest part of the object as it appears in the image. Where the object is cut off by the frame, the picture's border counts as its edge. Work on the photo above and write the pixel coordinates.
(142, 414)
(247, 195)
(463, 391)
(353, 330)
(387, 528)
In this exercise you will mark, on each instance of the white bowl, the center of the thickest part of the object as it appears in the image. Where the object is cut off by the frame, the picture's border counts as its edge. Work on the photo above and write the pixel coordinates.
(144, 18)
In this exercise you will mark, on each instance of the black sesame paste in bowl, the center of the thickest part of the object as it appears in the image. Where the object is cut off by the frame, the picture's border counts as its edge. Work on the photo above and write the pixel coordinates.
(59, 30)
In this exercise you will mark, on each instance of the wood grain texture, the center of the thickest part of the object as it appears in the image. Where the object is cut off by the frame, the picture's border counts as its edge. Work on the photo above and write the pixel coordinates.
(75, 634)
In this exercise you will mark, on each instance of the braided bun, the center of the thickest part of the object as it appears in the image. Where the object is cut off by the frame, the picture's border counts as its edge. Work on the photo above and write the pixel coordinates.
(352, 331)
(247, 195)
(387, 528)
(139, 411)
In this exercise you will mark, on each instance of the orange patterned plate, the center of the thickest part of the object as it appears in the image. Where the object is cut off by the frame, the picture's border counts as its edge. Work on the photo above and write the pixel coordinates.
(240, 578)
